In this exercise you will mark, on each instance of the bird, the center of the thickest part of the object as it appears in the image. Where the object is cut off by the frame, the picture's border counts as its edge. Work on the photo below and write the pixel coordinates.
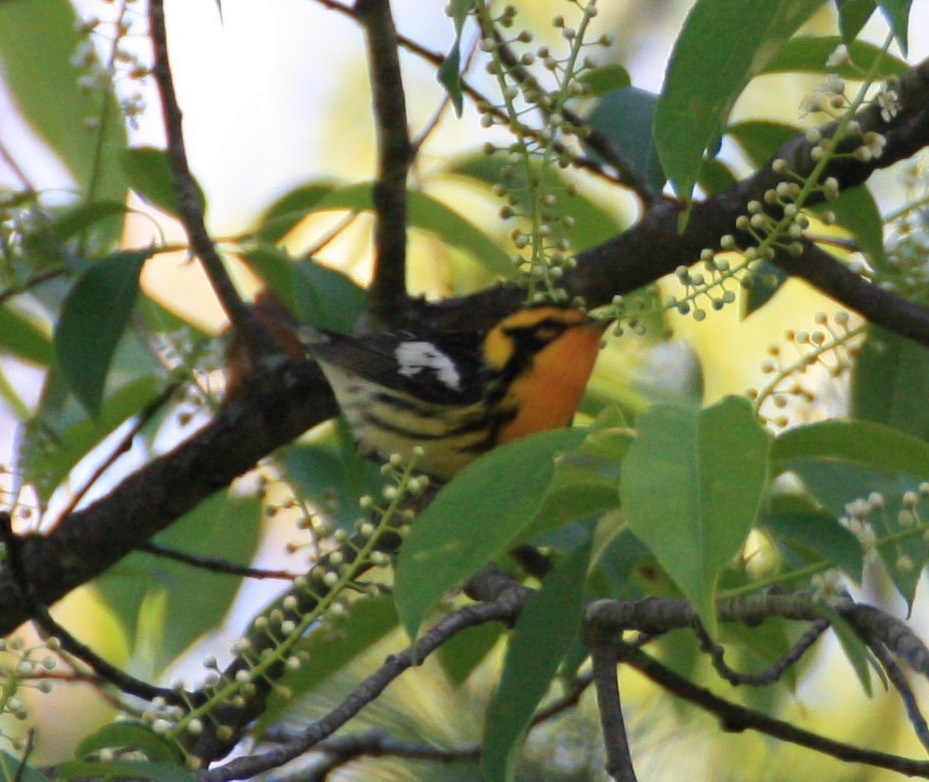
(450, 396)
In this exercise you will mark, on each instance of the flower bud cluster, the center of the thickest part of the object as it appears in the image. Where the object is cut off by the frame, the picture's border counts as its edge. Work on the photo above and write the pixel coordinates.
(798, 383)
(543, 250)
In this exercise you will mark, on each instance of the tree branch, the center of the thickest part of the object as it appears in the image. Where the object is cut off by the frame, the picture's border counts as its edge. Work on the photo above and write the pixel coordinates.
(388, 284)
(604, 654)
(737, 718)
(188, 198)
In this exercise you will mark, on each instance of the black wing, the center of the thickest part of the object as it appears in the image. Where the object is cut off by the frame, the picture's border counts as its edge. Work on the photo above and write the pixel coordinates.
(444, 368)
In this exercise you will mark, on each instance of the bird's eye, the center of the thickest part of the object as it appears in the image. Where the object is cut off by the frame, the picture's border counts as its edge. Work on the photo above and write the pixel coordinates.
(548, 330)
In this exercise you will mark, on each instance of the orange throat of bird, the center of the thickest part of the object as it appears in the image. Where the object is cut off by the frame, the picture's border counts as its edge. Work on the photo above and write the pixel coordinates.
(548, 396)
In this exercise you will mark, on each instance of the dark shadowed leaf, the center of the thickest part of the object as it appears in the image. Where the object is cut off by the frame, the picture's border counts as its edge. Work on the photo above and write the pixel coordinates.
(93, 318)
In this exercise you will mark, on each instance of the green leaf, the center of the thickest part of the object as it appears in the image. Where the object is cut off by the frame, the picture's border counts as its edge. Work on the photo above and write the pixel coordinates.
(626, 117)
(715, 176)
(584, 483)
(888, 370)
(797, 522)
(759, 139)
(287, 212)
(62, 432)
(807, 53)
(131, 736)
(37, 42)
(855, 650)
(450, 78)
(464, 651)
(606, 78)
(856, 211)
(733, 42)
(312, 291)
(367, 621)
(20, 336)
(427, 213)
(224, 527)
(853, 15)
(122, 769)
(93, 318)
(690, 489)
(545, 631)
(766, 280)
(149, 173)
(865, 443)
(897, 13)
(474, 519)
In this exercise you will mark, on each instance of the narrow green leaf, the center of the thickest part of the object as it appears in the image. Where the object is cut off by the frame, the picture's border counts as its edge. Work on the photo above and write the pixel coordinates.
(131, 736)
(853, 15)
(450, 78)
(122, 770)
(429, 214)
(864, 443)
(148, 172)
(93, 318)
(367, 621)
(888, 370)
(545, 631)
(626, 117)
(856, 211)
(474, 519)
(855, 650)
(21, 337)
(897, 13)
(287, 211)
(37, 43)
(807, 53)
(690, 490)
(732, 41)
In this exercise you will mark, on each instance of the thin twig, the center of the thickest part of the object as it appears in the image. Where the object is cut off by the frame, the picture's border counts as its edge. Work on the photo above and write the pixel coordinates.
(34, 281)
(902, 686)
(189, 205)
(41, 616)
(27, 752)
(215, 565)
(394, 155)
(122, 447)
(736, 718)
(604, 654)
(771, 674)
(504, 608)
(437, 58)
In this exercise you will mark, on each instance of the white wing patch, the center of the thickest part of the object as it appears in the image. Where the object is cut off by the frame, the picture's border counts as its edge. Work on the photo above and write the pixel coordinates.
(414, 357)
